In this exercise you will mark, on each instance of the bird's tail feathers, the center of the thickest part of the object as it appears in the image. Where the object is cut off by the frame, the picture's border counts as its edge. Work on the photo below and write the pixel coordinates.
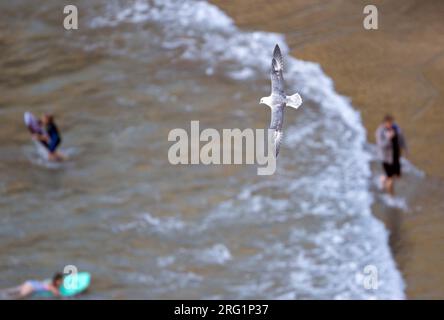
(294, 101)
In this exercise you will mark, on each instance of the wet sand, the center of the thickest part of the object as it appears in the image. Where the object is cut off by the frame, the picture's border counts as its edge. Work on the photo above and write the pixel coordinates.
(396, 69)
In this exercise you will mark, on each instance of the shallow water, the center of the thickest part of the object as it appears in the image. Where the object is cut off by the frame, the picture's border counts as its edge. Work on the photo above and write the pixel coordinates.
(147, 229)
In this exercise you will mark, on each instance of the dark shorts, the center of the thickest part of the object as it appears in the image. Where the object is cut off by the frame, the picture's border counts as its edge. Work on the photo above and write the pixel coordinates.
(392, 169)
(52, 145)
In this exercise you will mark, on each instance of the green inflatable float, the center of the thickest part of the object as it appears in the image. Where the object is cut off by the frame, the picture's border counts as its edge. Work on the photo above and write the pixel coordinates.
(73, 285)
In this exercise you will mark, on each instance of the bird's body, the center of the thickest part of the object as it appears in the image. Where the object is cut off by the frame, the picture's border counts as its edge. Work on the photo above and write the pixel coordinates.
(277, 101)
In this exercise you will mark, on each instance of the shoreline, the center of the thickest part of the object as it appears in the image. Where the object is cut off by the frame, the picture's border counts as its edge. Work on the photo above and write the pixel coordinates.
(404, 55)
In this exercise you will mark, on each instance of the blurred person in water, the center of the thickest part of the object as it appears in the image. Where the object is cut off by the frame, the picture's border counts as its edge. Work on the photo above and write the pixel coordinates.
(31, 287)
(390, 142)
(51, 137)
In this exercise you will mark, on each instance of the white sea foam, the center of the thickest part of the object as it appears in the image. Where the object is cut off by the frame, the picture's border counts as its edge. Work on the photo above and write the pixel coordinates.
(394, 202)
(38, 155)
(147, 222)
(217, 254)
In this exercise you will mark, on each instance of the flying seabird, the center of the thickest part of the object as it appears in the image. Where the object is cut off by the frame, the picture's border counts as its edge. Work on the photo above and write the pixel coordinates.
(278, 100)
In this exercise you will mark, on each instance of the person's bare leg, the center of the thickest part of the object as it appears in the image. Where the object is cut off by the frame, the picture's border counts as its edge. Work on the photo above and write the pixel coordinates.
(390, 186)
(382, 180)
(60, 156)
(52, 157)
(26, 289)
(56, 156)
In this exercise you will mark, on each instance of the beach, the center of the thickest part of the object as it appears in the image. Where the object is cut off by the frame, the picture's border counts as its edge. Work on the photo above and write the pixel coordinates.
(396, 69)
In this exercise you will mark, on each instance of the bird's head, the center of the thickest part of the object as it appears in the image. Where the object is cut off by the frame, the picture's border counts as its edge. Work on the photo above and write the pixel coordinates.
(263, 100)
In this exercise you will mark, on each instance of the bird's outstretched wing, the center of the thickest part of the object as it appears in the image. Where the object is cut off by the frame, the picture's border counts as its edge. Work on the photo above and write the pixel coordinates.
(277, 80)
(277, 120)
(277, 55)
(277, 117)
(277, 142)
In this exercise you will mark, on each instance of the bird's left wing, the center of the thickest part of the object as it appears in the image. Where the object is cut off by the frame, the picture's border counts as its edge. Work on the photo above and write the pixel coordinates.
(277, 55)
(277, 79)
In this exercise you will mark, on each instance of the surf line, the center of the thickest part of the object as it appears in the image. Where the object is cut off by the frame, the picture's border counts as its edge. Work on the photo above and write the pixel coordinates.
(232, 146)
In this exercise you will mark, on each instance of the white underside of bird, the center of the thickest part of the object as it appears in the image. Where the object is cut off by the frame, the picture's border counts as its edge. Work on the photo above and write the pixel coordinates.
(293, 101)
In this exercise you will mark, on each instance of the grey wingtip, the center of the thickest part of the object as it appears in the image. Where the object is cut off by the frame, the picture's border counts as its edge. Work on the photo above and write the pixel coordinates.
(274, 64)
(278, 56)
(276, 51)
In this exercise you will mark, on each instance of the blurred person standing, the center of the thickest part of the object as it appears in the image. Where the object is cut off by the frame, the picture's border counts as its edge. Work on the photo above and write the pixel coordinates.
(390, 142)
